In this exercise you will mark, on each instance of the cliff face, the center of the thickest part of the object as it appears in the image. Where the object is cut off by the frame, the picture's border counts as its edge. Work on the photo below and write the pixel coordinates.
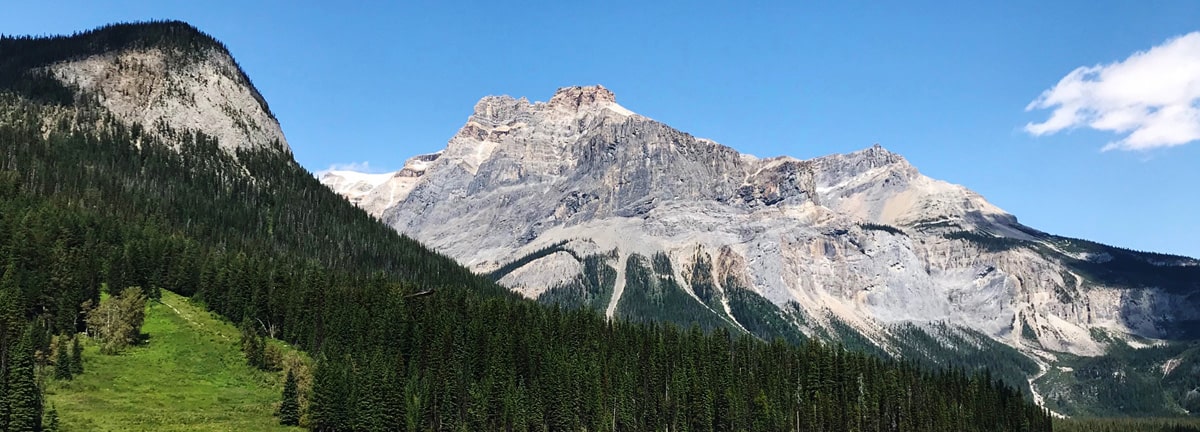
(164, 77)
(152, 86)
(861, 239)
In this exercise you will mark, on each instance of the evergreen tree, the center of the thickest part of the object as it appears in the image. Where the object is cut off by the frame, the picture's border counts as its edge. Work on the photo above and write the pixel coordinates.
(12, 315)
(117, 272)
(289, 409)
(76, 356)
(62, 360)
(4, 393)
(24, 397)
(253, 345)
(327, 409)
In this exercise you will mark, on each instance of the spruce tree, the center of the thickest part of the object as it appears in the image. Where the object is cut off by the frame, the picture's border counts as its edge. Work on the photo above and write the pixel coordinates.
(117, 272)
(62, 360)
(76, 356)
(253, 345)
(327, 406)
(12, 315)
(24, 397)
(4, 400)
(289, 410)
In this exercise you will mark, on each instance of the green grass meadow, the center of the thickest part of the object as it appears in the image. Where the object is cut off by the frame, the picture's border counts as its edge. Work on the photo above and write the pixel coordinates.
(189, 375)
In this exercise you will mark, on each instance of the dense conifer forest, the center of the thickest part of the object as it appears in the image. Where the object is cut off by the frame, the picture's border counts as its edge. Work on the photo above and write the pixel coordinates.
(404, 338)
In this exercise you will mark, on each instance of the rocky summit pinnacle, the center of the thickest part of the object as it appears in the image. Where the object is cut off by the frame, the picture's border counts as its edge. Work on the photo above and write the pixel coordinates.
(579, 96)
(578, 200)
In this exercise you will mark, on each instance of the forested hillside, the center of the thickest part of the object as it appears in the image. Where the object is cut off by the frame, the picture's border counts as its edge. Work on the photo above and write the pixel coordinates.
(404, 339)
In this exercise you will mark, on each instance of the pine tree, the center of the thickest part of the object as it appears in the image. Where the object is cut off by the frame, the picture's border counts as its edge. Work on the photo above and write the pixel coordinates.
(326, 409)
(289, 410)
(76, 356)
(24, 397)
(12, 315)
(118, 269)
(4, 397)
(253, 345)
(62, 360)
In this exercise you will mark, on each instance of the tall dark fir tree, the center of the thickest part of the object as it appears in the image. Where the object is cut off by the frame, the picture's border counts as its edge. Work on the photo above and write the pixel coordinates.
(289, 408)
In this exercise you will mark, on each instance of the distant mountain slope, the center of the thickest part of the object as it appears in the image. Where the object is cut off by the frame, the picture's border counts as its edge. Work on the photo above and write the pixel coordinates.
(580, 201)
(376, 192)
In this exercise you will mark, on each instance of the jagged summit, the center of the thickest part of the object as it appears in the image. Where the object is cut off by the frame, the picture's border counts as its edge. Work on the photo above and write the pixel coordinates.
(567, 104)
(856, 163)
(580, 96)
(877, 150)
(876, 155)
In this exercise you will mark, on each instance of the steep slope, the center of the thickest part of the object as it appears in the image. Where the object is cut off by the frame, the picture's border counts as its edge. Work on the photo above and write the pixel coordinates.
(160, 77)
(852, 247)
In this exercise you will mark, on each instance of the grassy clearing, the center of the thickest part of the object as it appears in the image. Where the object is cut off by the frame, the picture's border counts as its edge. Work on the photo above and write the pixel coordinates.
(190, 375)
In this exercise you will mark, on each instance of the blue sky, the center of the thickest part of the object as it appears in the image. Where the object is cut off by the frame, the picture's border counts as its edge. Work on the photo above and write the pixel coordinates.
(946, 84)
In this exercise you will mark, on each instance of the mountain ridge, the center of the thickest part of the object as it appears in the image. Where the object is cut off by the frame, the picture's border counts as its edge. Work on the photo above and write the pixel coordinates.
(859, 241)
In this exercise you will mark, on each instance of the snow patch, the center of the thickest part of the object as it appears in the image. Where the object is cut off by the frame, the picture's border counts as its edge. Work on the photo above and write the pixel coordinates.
(617, 108)
(352, 180)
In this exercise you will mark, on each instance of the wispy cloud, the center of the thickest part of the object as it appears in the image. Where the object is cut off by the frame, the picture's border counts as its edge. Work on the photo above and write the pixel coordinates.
(1152, 98)
(362, 167)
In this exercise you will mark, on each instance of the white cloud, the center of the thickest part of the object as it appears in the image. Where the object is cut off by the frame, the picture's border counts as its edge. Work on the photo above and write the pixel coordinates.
(1152, 98)
(362, 167)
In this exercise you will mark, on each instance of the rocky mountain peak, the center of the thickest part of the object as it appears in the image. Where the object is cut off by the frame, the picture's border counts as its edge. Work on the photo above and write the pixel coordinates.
(837, 168)
(580, 202)
(876, 156)
(577, 97)
(568, 105)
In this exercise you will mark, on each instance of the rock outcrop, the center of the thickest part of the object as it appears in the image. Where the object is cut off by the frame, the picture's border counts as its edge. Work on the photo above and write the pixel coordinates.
(200, 88)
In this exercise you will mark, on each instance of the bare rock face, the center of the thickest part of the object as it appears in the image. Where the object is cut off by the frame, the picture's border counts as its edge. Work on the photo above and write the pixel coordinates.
(863, 239)
(574, 98)
(152, 86)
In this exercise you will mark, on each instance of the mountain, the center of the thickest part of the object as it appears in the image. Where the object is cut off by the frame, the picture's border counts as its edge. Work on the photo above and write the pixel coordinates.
(165, 77)
(580, 201)
(374, 193)
(194, 193)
